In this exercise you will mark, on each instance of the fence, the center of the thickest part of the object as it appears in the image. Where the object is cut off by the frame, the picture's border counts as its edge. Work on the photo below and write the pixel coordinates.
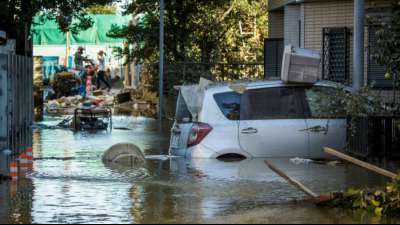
(374, 136)
(16, 103)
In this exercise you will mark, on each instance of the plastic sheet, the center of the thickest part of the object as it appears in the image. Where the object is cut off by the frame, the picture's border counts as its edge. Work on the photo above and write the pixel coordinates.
(194, 96)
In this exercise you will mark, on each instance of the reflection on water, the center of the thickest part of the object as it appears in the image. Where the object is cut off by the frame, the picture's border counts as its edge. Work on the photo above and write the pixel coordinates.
(71, 185)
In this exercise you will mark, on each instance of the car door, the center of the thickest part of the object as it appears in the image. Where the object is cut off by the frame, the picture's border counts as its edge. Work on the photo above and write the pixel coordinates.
(326, 123)
(273, 122)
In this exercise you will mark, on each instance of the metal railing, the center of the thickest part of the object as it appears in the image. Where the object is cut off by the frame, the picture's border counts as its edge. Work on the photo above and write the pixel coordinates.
(374, 136)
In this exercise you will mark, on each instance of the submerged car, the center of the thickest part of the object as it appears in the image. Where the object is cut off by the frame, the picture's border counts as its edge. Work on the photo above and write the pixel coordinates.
(259, 119)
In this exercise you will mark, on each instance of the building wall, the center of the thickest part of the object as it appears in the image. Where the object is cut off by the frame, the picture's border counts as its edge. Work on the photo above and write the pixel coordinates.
(330, 13)
(276, 24)
(318, 15)
(292, 25)
(275, 4)
(335, 13)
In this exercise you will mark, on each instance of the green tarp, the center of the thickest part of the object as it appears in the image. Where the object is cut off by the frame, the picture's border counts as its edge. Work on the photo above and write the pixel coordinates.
(48, 33)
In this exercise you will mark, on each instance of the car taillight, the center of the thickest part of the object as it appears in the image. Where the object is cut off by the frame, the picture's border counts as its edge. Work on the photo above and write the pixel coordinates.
(198, 133)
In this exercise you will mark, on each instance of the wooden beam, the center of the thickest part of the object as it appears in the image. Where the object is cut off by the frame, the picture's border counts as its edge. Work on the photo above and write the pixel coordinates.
(360, 163)
(292, 181)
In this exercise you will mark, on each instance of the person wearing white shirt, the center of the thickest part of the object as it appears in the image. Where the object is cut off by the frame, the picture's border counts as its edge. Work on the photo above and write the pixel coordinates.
(101, 75)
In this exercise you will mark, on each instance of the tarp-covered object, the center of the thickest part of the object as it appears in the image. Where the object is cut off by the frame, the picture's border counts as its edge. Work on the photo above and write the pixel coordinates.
(48, 32)
(194, 96)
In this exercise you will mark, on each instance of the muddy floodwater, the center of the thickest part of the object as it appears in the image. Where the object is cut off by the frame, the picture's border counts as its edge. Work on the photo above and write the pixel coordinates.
(70, 184)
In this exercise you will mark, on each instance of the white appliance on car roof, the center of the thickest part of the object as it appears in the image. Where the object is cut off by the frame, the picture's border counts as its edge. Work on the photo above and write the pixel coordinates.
(300, 65)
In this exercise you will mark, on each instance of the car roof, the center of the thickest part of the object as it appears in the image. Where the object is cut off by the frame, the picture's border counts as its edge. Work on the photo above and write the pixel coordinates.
(224, 87)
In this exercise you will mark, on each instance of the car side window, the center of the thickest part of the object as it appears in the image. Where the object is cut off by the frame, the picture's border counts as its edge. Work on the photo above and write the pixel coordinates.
(273, 103)
(229, 104)
(320, 104)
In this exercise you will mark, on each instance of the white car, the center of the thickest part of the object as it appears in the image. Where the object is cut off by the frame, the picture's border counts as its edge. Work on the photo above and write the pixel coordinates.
(269, 119)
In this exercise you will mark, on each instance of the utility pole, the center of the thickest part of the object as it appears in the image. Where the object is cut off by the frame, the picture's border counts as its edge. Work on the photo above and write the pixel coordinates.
(67, 49)
(358, 68)
(161, 89)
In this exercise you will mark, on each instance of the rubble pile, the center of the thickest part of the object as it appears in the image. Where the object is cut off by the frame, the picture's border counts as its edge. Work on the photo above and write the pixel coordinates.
(67, 105)
(127, 102)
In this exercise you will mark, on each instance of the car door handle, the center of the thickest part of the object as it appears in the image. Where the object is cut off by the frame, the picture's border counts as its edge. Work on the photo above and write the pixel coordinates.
(317, 129)
(250, 131)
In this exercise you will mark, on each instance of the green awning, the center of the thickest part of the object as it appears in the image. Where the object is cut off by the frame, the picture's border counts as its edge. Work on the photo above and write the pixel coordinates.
(48, 33)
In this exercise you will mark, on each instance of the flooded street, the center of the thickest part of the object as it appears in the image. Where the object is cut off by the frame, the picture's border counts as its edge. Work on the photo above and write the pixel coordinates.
(70, 184)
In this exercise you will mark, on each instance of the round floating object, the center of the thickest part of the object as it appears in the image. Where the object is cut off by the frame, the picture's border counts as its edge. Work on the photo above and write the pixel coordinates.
(125, 154)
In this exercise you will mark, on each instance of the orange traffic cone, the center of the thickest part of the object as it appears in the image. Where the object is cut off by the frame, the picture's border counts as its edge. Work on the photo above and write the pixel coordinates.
(14, 170)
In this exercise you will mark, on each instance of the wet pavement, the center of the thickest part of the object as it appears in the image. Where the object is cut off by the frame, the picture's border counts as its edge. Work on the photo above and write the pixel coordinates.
(70, 184)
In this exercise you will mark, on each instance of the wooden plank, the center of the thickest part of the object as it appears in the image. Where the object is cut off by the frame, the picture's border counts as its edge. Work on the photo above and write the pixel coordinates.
(360, 163)
(292, 181)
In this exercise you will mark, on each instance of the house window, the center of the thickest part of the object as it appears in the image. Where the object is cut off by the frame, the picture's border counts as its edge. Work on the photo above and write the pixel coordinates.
(336, 54)
(376, 72)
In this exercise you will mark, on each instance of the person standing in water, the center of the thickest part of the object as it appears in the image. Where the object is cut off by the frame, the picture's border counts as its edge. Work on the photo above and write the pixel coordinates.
(79, 60)
(101, 75)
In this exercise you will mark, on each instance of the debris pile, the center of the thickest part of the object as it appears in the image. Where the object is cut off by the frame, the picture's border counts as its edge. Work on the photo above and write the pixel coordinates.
(64, 84)
(67, 105)
(128, 102)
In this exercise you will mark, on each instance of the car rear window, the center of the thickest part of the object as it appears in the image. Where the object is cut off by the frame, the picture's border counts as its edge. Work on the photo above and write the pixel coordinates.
(183, 114)
(229, 104)
(273, 103)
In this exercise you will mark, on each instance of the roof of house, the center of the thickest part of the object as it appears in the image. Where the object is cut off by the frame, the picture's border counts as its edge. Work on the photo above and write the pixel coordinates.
(277, 4)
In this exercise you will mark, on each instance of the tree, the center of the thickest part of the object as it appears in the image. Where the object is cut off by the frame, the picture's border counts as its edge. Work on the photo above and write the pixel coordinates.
(16, 16)
(102, 9)
(387, 51)
(204, 32)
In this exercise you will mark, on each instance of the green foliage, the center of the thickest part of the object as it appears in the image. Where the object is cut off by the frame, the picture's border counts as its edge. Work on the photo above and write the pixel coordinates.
(387, 51)
(17, 15)
(205, 32)
(102, 9)
(345, 101)
(381, 202)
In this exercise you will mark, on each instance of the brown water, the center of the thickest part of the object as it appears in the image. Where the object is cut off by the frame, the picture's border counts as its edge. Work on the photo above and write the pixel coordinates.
(169, 190)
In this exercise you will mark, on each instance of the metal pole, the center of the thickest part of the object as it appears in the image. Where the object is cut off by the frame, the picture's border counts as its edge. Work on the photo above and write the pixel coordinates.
(67, 49)
(161, 89)
(358, 60)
